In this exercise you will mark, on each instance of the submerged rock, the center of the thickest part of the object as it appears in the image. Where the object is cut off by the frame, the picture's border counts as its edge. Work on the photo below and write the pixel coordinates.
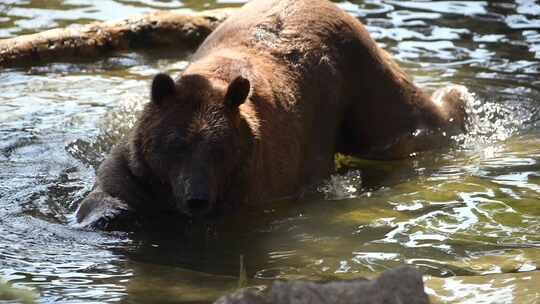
(399, 286)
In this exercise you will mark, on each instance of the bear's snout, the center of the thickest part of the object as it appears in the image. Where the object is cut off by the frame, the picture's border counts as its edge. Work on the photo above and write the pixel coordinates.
(193, 195)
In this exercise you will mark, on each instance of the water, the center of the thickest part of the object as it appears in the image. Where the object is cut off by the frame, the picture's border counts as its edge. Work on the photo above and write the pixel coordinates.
(468, 216)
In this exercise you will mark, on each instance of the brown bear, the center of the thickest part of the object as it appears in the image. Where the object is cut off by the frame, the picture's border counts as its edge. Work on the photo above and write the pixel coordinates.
(268, 99)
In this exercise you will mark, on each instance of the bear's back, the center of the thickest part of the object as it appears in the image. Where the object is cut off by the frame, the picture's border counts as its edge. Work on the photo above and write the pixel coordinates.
(285, 29)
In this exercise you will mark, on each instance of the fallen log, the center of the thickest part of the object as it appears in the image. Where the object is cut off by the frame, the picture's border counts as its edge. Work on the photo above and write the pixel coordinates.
(82, 42)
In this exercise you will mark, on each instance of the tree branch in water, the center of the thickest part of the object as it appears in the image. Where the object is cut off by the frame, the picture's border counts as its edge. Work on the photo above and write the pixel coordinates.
(93, 40)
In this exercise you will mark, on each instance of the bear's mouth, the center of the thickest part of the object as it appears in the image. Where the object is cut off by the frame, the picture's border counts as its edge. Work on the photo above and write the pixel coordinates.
(197, 208)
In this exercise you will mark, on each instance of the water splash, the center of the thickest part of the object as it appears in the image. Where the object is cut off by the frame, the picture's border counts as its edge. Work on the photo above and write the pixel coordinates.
(342, 186)
(490, 122)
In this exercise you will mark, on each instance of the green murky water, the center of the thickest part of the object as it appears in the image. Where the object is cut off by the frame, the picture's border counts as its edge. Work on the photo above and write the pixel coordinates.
(467, 216)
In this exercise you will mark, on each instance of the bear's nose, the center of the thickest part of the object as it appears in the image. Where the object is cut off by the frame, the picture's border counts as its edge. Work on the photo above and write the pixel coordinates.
(198, 206)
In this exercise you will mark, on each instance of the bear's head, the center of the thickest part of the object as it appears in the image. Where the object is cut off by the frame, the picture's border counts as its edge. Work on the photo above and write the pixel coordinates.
(192, 140)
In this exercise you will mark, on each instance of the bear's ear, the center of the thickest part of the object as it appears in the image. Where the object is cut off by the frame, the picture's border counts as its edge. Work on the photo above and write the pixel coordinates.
(237, 92)
(162, 87)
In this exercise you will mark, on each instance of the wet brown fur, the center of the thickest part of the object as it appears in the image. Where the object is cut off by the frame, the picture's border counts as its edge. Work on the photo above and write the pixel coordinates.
(319, 85)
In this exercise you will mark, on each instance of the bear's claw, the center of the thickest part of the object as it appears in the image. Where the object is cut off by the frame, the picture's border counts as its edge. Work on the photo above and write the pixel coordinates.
(100, 211)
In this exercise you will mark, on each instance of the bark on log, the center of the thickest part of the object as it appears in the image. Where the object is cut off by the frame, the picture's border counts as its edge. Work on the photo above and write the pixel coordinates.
(160, 28)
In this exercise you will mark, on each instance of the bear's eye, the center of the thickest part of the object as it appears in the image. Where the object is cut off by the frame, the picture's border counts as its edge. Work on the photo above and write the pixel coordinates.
(175, 141)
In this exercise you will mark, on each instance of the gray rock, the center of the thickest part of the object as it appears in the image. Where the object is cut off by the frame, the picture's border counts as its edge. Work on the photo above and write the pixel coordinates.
(402, 285)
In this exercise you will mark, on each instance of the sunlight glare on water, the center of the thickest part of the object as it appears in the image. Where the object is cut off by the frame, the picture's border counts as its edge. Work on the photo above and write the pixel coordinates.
(467, 216)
